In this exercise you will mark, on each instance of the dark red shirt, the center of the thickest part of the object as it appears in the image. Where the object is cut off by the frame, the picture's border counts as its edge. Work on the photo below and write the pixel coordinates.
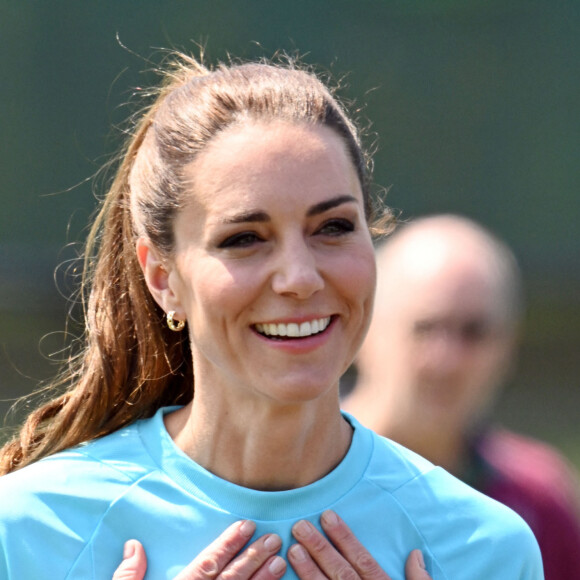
(536, 482)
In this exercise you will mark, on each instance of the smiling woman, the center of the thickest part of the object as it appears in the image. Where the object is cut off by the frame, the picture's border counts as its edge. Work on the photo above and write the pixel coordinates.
(272, 235)
(232, 287)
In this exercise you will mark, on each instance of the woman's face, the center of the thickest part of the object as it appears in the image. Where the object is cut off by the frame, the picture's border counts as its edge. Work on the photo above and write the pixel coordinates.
(274, 266)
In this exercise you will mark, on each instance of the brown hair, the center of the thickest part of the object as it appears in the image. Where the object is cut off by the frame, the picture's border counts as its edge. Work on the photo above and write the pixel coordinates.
(131, 363)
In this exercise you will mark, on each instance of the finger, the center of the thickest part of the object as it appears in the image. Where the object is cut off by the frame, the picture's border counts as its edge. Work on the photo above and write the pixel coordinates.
(213, 559)
(258, 559)
(351, 549)
(134, 564)
(327, 558)
(415, 567)
(303, 564)
(274, 568)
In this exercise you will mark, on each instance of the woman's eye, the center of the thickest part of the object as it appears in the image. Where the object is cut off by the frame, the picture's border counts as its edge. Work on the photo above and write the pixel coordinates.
(336, 227)
(241, 240)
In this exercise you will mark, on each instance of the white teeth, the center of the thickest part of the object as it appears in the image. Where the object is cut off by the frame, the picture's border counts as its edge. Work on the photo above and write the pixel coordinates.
(293, 329)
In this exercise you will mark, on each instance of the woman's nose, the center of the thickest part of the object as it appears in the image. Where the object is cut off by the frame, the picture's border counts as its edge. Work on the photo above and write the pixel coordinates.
(296, 271)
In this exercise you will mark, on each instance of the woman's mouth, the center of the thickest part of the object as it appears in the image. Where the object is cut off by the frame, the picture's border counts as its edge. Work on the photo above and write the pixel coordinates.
(293, 329)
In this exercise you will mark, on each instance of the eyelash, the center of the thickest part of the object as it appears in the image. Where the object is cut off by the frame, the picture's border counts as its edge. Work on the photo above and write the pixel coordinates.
(240, 240)
(340, 227)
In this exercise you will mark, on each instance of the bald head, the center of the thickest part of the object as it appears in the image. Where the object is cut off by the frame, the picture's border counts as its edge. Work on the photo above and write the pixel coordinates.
(457, 253)
(442, 336)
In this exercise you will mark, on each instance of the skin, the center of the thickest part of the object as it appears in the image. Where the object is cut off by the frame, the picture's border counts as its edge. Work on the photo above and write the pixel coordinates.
(339, 555)
(274, 232)
(441, 342)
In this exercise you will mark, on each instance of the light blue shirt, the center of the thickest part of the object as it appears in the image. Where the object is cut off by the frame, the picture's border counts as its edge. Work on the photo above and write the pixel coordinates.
(68, 516)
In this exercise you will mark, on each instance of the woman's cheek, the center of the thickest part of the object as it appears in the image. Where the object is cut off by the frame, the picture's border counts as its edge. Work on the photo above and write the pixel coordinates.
(362, 274)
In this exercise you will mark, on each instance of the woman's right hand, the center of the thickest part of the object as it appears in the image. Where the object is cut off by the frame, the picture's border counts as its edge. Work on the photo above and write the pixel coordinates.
(258, 561)
(314, 557)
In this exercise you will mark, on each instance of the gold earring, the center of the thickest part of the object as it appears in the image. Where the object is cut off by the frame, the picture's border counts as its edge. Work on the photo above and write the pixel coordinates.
(176, 326)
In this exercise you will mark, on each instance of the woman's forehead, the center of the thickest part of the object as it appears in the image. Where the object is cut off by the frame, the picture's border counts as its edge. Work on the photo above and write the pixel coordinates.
(256, 158)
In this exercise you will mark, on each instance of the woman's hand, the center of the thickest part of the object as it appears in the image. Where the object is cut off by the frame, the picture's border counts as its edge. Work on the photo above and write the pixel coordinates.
(258, 561)
(314, 557)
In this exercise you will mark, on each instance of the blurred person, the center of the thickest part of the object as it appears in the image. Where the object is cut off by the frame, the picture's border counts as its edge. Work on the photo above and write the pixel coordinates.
(232, 278)
(441, 345)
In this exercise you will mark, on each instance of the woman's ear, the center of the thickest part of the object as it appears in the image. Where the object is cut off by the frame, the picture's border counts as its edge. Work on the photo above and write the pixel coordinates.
(156, 276)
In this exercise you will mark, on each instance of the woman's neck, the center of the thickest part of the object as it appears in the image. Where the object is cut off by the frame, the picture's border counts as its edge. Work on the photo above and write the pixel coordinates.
(267, 447)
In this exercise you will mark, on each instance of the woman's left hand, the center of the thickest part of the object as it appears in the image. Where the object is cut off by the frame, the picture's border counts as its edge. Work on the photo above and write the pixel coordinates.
(314, 557)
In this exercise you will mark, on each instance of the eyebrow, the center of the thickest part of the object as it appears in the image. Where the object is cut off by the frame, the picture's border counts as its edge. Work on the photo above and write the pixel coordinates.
(245, 217)
(317, 209)
(329, 204)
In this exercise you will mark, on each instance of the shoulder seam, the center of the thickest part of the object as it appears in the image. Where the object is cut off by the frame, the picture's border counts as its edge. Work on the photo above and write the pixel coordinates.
(115, 469)
(391, 493)
(89, 541)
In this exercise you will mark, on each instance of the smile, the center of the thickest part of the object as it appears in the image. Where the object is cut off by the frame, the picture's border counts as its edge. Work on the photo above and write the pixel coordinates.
(293, 329)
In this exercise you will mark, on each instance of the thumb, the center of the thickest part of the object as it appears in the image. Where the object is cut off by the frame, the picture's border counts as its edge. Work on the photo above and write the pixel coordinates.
(134, 562)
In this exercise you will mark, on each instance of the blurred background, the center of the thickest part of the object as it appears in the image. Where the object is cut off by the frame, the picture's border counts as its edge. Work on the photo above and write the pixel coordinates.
(474, 107)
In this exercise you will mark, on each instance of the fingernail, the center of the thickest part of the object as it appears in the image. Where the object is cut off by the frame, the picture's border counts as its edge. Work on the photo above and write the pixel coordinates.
(298, 553)
(420, 559)
(272, 542)
(247, 528)
(329, 518)
(277, 565)
(302, 529)
(128, 550)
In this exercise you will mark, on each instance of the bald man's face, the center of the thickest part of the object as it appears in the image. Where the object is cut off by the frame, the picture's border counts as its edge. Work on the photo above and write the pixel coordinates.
(444, 342)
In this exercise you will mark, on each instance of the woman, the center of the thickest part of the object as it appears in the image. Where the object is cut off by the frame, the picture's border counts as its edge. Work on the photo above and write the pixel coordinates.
(234, 258)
